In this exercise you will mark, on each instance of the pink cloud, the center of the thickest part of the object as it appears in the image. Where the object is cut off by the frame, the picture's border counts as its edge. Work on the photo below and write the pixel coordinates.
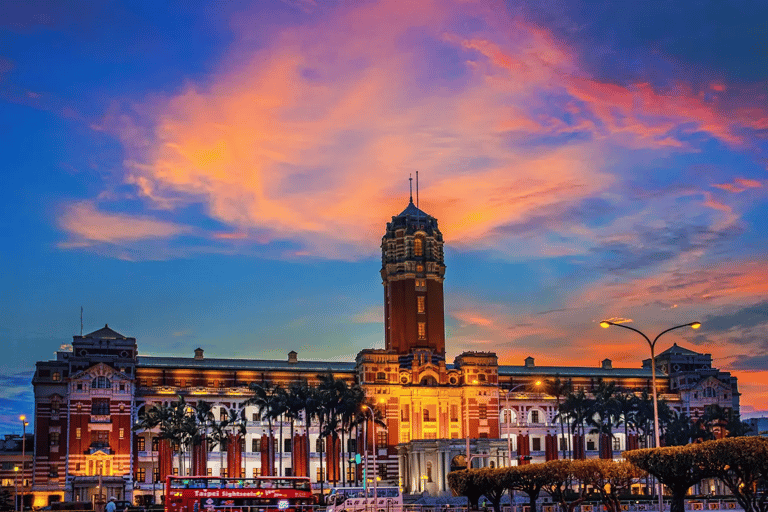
(88, 226)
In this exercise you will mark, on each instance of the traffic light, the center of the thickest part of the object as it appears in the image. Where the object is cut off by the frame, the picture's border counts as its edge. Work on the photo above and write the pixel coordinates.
(356, 459)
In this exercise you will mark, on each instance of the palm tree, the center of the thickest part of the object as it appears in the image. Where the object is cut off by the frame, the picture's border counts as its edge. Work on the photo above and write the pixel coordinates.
(577, 407)
(559, 389)
(278, 413)
(175, 426)
(266, 397)
(333, 391)
(311, 401)
(603, 412)
(350, 407)
(148, 421)
(626, 408)
(294, 405)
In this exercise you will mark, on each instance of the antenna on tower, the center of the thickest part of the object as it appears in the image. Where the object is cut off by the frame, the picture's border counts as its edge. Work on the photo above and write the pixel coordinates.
(81, 320)
(410, 185)
(417, 189)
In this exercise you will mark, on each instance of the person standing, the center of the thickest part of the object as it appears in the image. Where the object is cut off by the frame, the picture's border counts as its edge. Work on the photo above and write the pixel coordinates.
(111, 506)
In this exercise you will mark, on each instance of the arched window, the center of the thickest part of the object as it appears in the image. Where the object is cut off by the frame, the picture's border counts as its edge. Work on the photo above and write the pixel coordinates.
(418, 246)
(101, 382)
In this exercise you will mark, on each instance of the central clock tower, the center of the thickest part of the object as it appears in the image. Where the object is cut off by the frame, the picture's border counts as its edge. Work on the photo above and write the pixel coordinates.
(412, 272)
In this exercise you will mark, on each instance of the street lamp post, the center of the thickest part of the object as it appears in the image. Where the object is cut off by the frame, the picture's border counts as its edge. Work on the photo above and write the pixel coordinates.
(509, 426)
(16, 488)
(375, 471)
(24, 424)
(652, 344)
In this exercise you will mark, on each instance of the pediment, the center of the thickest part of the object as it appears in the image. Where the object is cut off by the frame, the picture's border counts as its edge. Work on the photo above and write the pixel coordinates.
(100, 370)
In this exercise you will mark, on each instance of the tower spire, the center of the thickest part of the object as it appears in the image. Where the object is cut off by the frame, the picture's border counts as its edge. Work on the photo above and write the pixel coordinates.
(410, 186)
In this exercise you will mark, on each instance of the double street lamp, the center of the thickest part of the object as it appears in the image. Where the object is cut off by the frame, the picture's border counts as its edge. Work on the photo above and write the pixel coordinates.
(652, 344)
(509, 423)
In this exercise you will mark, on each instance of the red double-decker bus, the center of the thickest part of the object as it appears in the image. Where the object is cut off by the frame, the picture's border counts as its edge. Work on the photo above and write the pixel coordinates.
(216, 494)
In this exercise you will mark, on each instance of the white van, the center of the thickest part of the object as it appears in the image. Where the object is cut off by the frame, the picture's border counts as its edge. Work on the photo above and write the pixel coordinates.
(354, 499)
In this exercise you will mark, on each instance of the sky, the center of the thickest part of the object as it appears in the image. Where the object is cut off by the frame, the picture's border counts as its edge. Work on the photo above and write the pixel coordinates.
(219, 175)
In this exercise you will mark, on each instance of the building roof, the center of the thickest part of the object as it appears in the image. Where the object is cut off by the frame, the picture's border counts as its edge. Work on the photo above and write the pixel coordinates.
(574, 371)
(245, 364)
(105, 333)
(413, 211)
(676, 349)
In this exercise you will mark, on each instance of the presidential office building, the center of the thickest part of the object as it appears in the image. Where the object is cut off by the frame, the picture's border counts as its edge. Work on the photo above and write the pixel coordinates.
(90, 396)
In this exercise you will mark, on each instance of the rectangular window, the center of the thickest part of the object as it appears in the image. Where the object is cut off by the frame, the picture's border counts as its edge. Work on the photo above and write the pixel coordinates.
(404, 413)
(351, 473)
(381, 438)
(100, 407)
(223, 416)
(223, 472)
(536, 444)
(53, 438)
(175, 471)
(141, 474)
(156, 475)
(382, 471)
(255, 444)
(319, 445)
(209, 472)
(454, 412)
(255, 416)
(320, 474)
(420, 304)
(616, 444)
(482, 412)
(79, 386)
(54, 408)
(422, 330)
(155, 444)
(534, 416)
(351, 445)
(56, 376)
(78, 433)
(288, 471)
(256, 472)
(141, 443)
(286, 446)
(121, 433)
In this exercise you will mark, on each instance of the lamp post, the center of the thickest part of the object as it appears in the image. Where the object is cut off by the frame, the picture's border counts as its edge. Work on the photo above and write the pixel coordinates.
(375, 471)
(652, 344)
(16, 488)
(509, 426)
(24, 424)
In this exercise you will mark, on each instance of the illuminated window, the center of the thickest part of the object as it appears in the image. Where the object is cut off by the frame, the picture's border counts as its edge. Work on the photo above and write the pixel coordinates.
(425, 414)
(418, 246)
(381, 438)
(404, 413)
(56, 376)
(422, 330)
(141, 474)
(78, 433)
(141, 443)
(256, 472)
(121, 433)
(209, 472)
(482, 411)
(351, 473)
(223, 416)
(320, 474)
(454, 412)
(419, 268)
(223, 472)
(155, 444)
(175, 471)
(156, 475)
(420, 304)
